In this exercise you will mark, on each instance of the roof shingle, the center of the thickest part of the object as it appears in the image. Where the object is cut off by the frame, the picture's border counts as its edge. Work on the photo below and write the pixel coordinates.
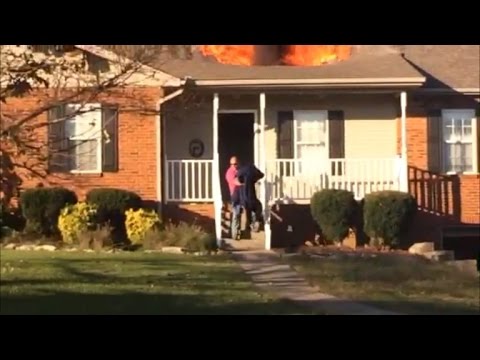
(366, 66)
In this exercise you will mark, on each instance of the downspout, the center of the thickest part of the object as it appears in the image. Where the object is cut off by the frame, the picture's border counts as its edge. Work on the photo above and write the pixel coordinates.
(404, 176)
(161, 148)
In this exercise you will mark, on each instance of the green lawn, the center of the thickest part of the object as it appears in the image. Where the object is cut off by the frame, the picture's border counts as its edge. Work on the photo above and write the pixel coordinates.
(129, 283)
(407, 284)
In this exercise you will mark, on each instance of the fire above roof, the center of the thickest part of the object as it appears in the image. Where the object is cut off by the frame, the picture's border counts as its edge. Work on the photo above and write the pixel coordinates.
(386, 69)
(293, 55)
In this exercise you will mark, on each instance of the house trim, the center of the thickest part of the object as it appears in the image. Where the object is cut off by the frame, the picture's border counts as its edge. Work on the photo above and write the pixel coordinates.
(449, 91)
(334, 82)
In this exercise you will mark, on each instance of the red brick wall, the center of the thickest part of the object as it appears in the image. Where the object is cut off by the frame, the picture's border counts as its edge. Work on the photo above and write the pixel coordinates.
(202, 214)
(137, 143)
(446, 199)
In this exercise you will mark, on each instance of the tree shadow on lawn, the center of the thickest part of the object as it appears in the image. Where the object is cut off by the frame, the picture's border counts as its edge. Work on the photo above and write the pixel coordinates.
(162, 285)
(142, 303)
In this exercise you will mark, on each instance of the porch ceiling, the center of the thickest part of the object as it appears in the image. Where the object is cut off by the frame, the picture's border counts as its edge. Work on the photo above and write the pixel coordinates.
(359, 71)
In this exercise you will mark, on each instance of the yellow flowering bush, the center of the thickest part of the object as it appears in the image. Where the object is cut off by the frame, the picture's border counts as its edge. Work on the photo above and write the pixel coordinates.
(139, 222)
(75, 220)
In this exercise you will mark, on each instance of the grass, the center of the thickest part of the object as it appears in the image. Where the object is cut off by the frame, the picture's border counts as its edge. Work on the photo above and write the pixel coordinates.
(129, 283)
(407, 284)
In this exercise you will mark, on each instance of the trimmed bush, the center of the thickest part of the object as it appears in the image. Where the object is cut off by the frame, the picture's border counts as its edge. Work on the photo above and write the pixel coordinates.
(41, 208)
(387, 215)
(111, 207)
(334, 211)
(138, 223)
(74, 220)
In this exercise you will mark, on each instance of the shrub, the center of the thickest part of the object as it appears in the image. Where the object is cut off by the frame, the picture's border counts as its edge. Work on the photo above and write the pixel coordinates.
(334, 212)
(139, 222)
(75, 220)
(5, 232)
(111, 207)
(41, 208)
(387, 215)
(191, 238)
(12, 218)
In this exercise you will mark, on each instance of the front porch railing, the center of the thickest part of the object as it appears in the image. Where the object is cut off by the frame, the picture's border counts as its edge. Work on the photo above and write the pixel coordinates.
(289, 179)
(189, 180)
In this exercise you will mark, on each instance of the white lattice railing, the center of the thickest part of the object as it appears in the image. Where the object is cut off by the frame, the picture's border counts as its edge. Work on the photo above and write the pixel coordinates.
(299, 180)
(189, 180)
(289, 179)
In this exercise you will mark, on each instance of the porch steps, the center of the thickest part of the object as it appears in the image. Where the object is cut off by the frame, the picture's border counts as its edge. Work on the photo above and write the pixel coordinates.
(256, 241)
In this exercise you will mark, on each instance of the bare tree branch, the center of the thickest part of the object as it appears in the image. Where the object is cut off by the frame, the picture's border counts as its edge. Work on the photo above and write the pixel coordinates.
(61, 75)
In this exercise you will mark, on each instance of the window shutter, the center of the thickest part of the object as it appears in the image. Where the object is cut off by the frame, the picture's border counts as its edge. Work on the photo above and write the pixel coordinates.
(109, 139)
(477, 121)
(434, 145)
(57, 140)
(285, 135)
(336, 138)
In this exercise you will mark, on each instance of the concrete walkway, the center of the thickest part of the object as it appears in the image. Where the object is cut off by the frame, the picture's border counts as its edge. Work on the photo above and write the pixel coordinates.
(272, 276)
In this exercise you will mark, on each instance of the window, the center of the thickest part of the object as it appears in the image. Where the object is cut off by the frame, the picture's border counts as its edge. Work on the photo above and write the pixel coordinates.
(83, 138)
(84, 134)
(310, 140)
(459, 142)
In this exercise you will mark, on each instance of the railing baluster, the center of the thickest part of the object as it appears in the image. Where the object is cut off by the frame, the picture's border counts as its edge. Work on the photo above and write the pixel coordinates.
(190, 180)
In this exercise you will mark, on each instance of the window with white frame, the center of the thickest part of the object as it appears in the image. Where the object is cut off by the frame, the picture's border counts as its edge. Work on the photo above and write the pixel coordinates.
(84, 134)
(459, 141)
(310, 140)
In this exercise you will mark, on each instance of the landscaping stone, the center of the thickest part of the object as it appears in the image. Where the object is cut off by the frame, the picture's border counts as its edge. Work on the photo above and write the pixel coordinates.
(421, 248)
(25, 247)
(46, 247)
(201, 253)
(10, 246)
(172, 250)
(444, 255)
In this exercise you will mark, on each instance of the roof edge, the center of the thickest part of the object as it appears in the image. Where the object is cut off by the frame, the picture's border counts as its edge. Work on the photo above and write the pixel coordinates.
(362, 82)
(111, 56)
(450, 91)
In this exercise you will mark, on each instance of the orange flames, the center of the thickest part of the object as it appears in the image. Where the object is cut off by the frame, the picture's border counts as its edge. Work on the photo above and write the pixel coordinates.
(230, 54)
(300, 55)
(312, 55)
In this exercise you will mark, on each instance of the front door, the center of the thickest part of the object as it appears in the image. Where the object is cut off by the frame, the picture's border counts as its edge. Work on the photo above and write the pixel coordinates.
(235, 138)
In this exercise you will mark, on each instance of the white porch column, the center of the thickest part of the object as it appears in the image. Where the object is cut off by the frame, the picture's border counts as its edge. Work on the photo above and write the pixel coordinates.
(404, 169)
(216, 191)
(263, 167)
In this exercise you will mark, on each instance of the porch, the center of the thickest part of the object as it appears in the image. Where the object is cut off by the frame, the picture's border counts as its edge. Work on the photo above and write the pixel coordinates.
(301, 151)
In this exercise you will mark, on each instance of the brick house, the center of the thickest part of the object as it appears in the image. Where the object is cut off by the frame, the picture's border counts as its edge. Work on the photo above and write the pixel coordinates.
(389, 117)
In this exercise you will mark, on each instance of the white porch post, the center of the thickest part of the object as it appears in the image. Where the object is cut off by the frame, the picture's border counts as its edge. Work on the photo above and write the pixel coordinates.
(263, 168)
(216, 192)
(404, 164)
